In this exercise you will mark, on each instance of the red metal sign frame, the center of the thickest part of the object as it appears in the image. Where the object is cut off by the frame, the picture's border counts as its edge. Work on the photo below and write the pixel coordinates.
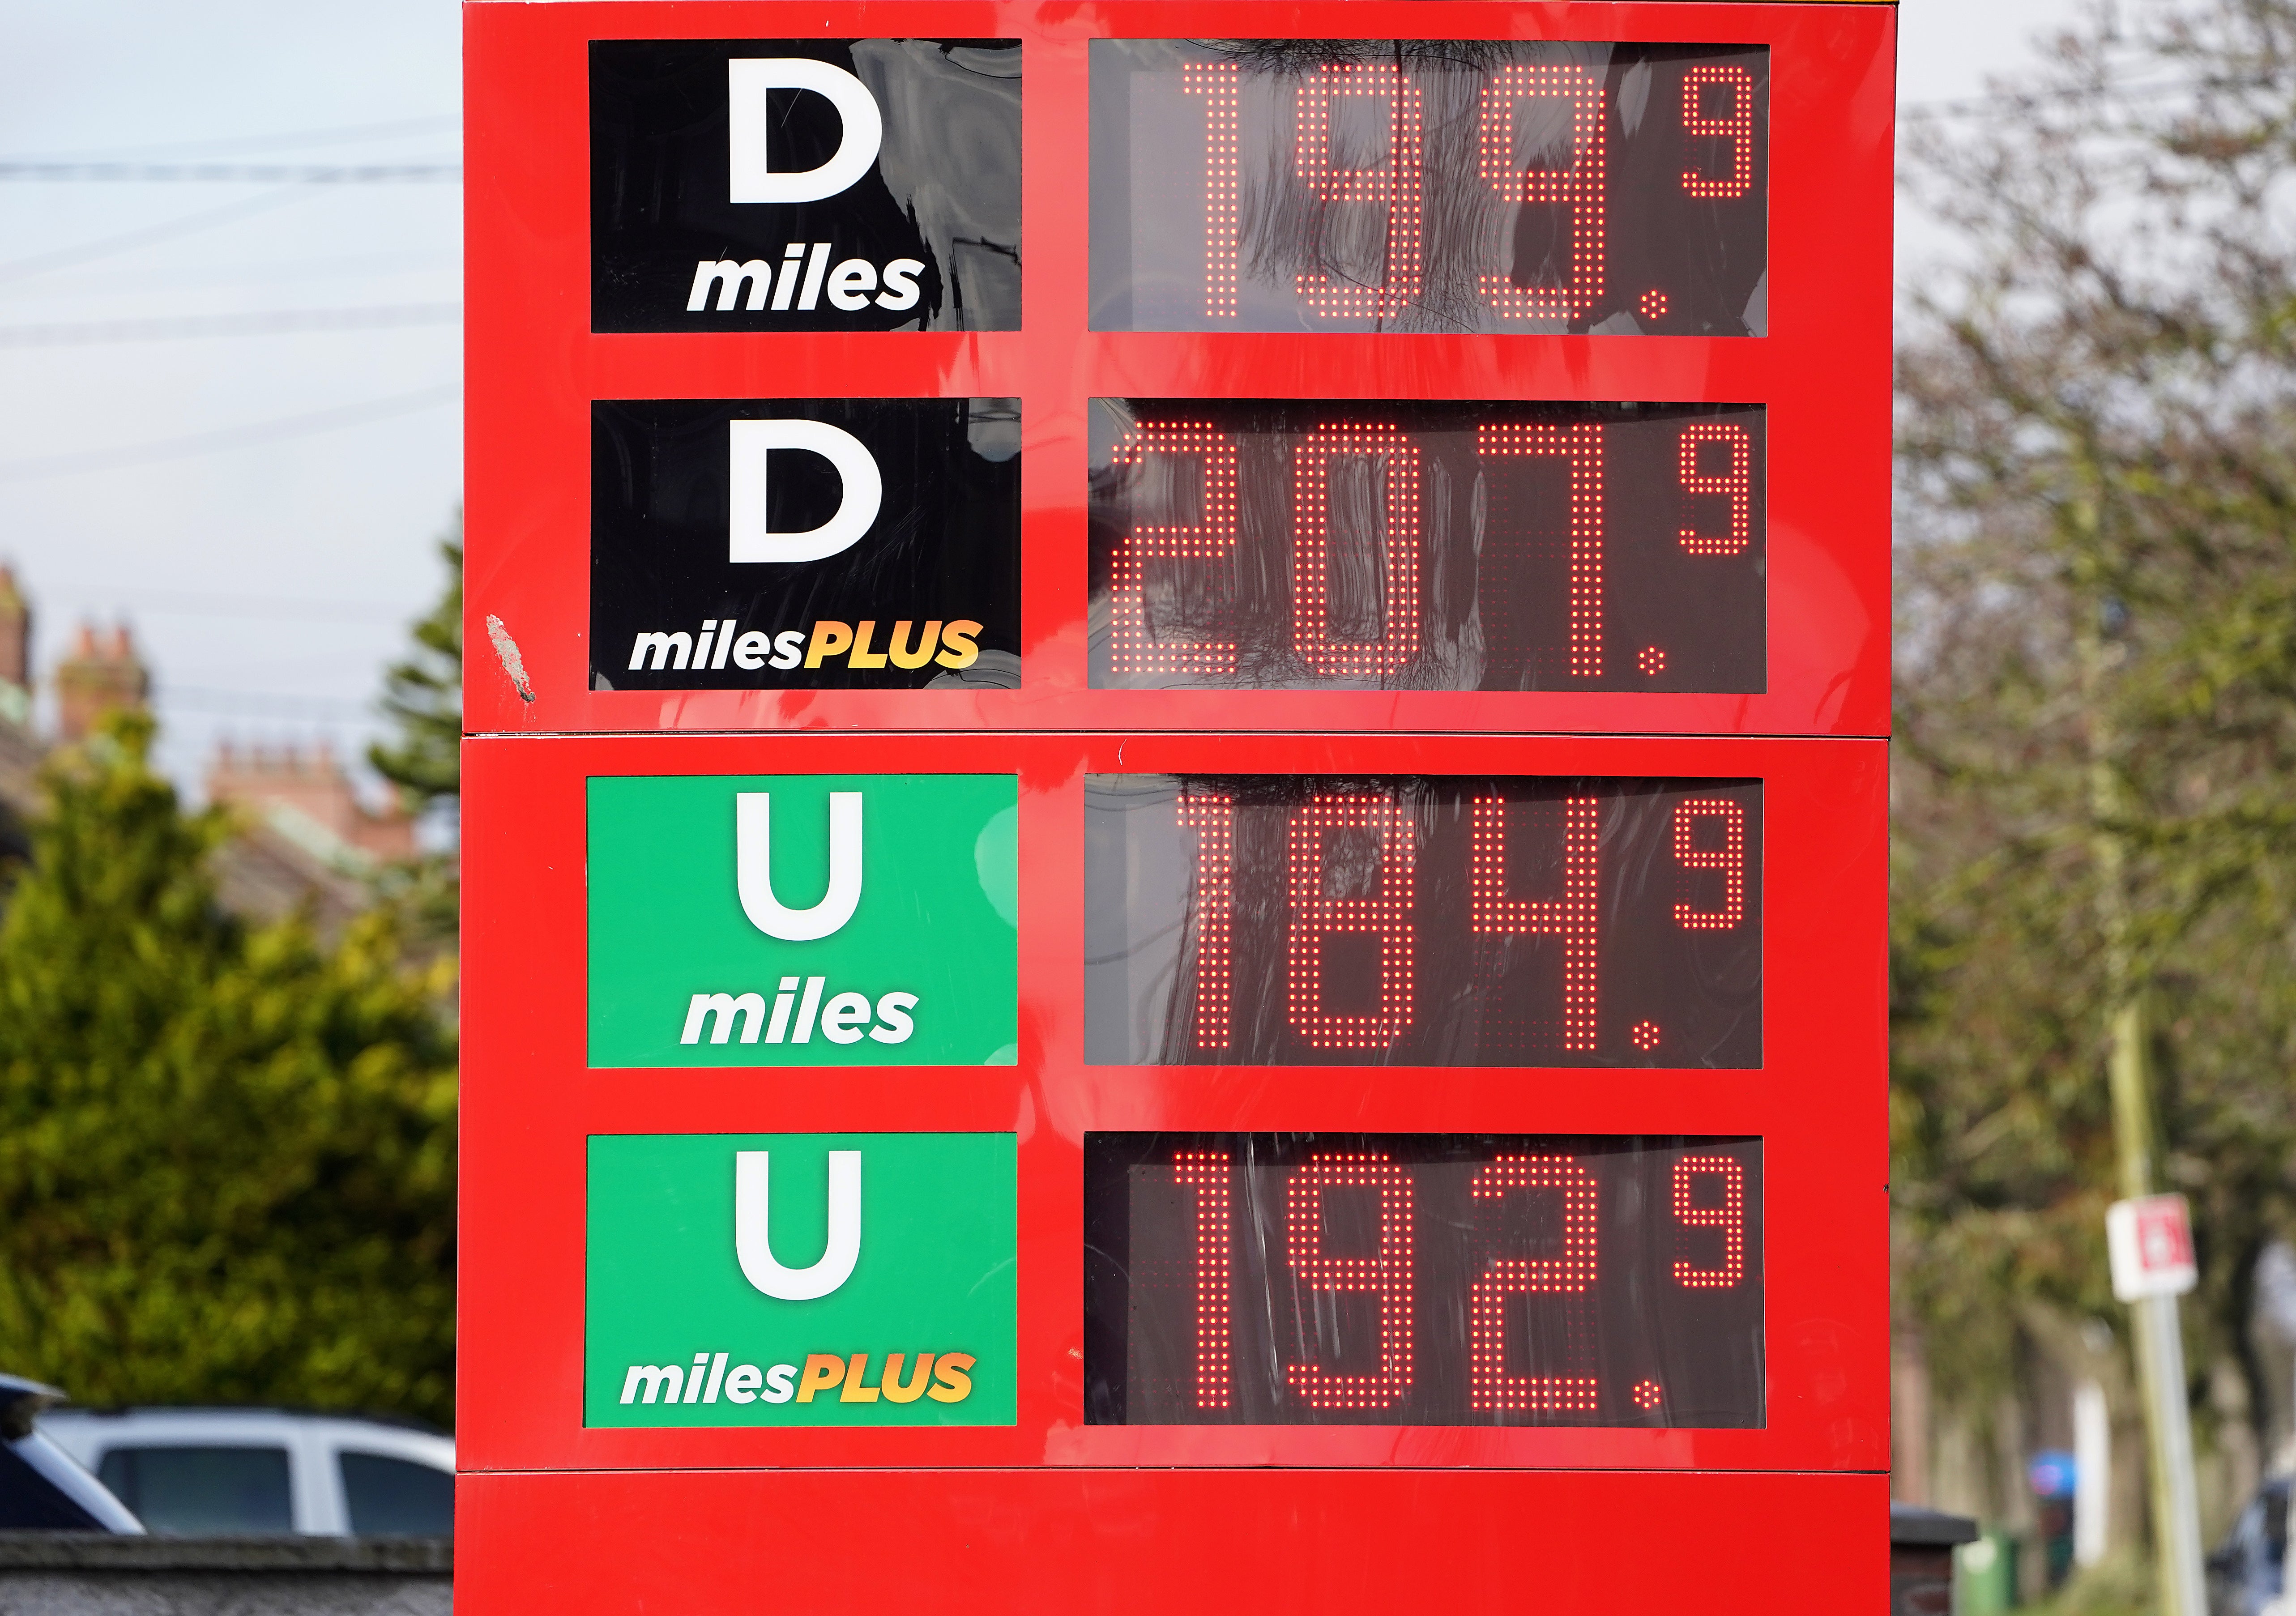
(1144, 1543)
(1137, 1519)
(531, 1101)
(534, 368)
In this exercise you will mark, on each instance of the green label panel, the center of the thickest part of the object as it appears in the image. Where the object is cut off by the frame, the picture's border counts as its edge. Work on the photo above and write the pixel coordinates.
(804, 920)
(801, 1279)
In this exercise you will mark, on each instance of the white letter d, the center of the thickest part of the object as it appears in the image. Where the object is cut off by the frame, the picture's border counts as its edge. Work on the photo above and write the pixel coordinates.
(749, 535)
(749, 120)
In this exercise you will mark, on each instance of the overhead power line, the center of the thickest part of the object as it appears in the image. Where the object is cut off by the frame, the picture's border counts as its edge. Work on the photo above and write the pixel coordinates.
(108, 246)
(333, 135)
(222, 604)
(78, 334)
(230, 437)
(241, 174)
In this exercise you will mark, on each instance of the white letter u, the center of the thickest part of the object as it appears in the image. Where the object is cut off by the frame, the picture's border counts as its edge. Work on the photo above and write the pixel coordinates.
(755, 1248)
(754, 869)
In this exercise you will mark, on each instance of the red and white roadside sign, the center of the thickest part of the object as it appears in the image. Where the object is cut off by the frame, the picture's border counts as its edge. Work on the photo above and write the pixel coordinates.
(2149, 1240)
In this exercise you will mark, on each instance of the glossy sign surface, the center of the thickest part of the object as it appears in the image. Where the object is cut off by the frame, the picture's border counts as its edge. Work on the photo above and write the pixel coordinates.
(1820, 375)
(1429, 186)
(1345, 544)
(805, 184)
(534, 1099)
(1414, 922)
(1145, 1543)
(1443, 1279)
(727, 1284)
(805, 543)
(808, 921)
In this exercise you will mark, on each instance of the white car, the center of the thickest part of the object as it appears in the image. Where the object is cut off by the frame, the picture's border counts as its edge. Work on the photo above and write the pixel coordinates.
(211, 1471)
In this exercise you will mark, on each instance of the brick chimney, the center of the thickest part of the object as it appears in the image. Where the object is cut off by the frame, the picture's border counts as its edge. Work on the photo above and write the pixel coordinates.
(309, 791)
(102, 673)
(15, 633)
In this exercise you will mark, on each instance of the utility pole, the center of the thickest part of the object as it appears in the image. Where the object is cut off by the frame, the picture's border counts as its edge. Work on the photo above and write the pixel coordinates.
(2157, 1334)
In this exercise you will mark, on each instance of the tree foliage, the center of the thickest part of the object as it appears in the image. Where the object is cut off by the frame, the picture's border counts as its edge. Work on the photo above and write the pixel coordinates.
(226, 1151)
(423, 697)
(2096, 703)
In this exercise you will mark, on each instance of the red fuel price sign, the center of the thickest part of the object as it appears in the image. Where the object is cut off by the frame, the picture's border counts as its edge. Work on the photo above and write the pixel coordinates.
(1175, 825)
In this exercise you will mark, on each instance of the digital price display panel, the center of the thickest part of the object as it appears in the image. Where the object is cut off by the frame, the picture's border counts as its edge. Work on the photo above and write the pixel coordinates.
(1411, 545)
(1431, 1279)
(1429, 186)
(1423, 921)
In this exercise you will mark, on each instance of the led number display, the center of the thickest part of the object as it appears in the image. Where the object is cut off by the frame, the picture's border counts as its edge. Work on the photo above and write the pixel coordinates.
(1422, 922)
(1410, 544)
(1401, 1279)
(1429, 186)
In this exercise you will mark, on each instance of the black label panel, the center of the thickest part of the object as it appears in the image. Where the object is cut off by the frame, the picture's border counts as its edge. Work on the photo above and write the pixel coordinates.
(805, 184)
(805, 543)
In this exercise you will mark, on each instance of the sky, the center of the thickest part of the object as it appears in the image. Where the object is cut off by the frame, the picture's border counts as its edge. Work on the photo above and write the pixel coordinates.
(267, 572)
(259, 505)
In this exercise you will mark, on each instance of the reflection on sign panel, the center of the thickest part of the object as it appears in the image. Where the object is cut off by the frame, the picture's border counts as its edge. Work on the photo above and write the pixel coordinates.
(1422, 921)
(822, 543)
(1260, 1279)
(1417, 545)
(1429, 186)
(805, 184)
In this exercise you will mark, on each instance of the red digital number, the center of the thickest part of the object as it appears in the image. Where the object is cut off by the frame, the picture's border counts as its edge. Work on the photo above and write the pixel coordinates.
(1216, 82)
(1730, 1218)
(1387, 1275)
(1578, 187)
(1132, 648)
(1396, 183)
(1211, 816)
(1311, 528)
(1207, 1173)
(1576, 916)
(1582, 446)
(1729, 859)
(1386, 914)
(1489, 1386)
(1737, 483)
(1737, 129)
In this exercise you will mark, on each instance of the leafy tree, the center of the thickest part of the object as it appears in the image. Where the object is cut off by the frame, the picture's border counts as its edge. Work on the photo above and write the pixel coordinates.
(2095, 795)
(423, 695)
(226, 1151)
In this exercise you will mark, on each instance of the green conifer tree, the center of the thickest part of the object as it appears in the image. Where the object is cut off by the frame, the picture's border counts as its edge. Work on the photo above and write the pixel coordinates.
(423, 697)
(226, 1151)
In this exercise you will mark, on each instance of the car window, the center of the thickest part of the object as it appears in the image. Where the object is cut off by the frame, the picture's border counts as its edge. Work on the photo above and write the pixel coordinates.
(203, 1490)
(31, 1500)
(395, 1498)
